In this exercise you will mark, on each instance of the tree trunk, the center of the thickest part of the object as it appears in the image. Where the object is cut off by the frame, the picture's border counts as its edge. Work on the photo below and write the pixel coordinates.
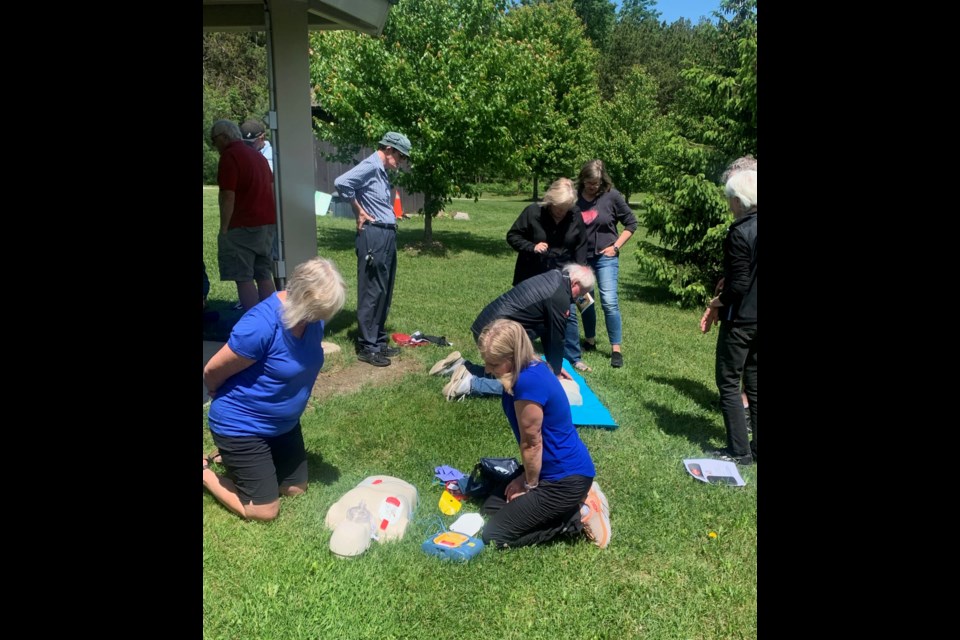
(427, 227)
(431, 207)
(536, 187)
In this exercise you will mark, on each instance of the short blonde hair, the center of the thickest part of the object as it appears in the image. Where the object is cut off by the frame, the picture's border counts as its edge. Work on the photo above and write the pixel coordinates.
(315, 291)
(506, 340)
(561, 193)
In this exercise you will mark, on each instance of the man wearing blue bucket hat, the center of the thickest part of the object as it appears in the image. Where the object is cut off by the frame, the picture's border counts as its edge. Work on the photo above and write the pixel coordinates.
(367, 187)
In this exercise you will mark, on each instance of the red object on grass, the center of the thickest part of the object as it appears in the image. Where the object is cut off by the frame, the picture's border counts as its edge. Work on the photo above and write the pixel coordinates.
(403, 339)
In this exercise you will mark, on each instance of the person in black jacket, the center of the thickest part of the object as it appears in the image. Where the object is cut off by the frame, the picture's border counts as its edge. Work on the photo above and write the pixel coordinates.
(550, 235)
(541, 305)
(736, 310)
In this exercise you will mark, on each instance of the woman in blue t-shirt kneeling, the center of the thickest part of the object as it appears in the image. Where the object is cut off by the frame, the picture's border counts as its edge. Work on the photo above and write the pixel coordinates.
(555, 493)
(260, 382)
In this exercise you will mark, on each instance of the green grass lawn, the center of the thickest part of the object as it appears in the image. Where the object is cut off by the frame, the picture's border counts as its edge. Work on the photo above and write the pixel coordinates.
(662, 575)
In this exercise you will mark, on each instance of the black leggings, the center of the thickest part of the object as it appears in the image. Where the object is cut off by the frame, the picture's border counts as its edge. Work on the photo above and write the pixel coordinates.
(550, 510)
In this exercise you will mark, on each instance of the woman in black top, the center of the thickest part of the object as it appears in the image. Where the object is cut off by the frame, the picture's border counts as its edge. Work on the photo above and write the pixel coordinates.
(603, 207)
(549, 235)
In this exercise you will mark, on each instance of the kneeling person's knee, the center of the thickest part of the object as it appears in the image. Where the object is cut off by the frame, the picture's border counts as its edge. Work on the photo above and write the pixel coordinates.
(262, 512)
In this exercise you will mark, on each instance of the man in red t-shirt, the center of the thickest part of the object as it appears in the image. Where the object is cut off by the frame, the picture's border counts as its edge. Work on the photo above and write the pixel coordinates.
(248, 215)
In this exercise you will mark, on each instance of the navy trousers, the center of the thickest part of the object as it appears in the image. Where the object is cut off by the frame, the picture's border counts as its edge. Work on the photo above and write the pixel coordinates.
(376, 273)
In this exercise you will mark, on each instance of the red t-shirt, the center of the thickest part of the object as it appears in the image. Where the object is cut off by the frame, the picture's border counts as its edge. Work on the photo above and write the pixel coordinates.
(245, 172)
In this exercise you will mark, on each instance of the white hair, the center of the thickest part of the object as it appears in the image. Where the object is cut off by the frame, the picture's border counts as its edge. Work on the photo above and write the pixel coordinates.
(583, 275)
(743, 186)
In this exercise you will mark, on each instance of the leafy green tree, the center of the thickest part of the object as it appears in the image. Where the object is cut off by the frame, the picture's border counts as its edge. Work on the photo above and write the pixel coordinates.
(445, 73)
(598, 18)
(663, 50)
(626, 132)
(716, 122)
(568, 59)
(234, 85)
(638, 10)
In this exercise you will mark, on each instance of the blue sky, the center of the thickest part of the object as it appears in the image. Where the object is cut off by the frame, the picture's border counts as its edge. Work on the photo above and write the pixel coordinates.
(673, 10)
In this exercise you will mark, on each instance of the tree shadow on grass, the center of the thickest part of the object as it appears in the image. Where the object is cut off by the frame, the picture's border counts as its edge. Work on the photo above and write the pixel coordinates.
(643, 291)
(320, 471)
(696, 429)
(706, 397)
(410, 241)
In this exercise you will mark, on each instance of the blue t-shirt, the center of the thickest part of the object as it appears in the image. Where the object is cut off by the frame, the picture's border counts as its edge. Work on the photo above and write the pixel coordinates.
(268, 397)
(564, 453)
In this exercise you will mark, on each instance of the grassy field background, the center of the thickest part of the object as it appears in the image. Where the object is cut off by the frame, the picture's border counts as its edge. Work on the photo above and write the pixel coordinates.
(663, 575)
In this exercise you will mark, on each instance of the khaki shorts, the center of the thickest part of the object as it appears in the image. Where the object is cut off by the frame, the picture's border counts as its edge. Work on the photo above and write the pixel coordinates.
(246, 253)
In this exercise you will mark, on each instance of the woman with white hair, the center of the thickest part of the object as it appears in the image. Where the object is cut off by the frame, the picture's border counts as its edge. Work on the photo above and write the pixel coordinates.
(736, 310)
(260, 382)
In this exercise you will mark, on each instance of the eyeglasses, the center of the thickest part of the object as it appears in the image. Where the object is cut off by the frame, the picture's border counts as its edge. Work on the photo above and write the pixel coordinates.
(213, 138)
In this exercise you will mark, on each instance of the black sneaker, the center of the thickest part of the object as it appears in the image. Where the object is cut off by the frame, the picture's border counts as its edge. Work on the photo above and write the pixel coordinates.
(616, 359)
(375, 358)
(588, 346)
(726, 456)
(391, 352)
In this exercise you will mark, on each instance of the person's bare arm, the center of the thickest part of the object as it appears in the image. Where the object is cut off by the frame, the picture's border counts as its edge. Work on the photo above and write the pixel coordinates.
(530, 422)
(221, 366)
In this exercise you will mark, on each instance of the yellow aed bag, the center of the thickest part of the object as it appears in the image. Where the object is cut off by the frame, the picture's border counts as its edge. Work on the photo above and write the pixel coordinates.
(448, 504)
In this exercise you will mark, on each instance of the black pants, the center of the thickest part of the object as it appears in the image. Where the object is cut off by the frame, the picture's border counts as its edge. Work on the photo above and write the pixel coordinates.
(376, 273)
(550, 510)
(736, 359)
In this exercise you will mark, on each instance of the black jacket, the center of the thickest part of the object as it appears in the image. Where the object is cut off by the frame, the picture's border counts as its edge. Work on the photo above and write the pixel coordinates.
(567, 241)
(541, 304)
(739, 295)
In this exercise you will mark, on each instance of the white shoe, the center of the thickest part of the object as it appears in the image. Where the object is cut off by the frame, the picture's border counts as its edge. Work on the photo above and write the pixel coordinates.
(459, 385)
(446, 366)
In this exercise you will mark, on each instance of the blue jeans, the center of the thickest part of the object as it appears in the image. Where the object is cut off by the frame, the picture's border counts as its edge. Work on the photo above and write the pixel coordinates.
(607, 271)
(571, 336)
(483, 384)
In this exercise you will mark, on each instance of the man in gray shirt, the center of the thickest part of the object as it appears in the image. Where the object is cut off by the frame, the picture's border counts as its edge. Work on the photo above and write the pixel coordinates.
(367, 187)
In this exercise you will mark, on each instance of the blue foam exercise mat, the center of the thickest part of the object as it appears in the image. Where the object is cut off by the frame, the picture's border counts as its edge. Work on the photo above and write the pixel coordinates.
(591, 413)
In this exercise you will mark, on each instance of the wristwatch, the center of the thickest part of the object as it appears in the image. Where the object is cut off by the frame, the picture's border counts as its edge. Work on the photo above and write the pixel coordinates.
(530, 487)
(616, 249)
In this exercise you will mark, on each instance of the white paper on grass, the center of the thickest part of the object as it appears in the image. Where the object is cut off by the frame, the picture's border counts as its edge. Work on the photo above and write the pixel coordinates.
(714, 471)
(468, 524)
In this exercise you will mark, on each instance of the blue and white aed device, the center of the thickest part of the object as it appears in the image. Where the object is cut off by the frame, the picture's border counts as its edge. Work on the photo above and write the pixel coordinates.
(450, 545)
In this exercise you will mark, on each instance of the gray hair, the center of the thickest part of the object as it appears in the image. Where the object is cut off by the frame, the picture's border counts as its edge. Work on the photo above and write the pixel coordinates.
(581, 274)
(227, 128)
(743, 186)
(561, 194)
(315, 291)
(746, 163)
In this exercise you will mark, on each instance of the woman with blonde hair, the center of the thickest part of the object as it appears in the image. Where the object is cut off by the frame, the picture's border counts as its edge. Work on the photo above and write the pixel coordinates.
(260, 382)
(554, 493)
(550, 235)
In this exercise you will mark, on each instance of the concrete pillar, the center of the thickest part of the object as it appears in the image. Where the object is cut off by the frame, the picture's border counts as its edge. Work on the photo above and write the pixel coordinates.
(293, 139)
